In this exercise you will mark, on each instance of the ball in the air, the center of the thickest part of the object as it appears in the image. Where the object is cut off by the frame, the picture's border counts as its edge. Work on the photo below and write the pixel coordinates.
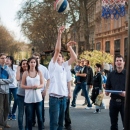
(62, 6)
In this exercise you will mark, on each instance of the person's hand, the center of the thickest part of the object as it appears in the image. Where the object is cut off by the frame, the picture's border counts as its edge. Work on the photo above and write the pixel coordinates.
(77, 74)
(107, 93)
(71, 43)
(35, 87)
(55, 4)
(122, 94)
(61, 30)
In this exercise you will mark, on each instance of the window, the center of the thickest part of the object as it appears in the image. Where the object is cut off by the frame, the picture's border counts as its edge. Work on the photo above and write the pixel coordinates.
(98, 46)
(107, 46)
(117, 45)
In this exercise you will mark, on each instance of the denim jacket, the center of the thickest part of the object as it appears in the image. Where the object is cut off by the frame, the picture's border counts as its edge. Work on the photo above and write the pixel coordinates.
(4, 80)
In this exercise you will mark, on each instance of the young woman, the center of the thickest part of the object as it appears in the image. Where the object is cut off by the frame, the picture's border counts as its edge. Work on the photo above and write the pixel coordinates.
(32, 81)
(21, 93)
(12, 87)
(97, 84)
(58, 91)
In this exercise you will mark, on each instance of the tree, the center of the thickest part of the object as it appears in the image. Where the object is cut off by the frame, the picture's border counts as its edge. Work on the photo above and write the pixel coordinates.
(7, 43)
(97, 57)
(39, 21)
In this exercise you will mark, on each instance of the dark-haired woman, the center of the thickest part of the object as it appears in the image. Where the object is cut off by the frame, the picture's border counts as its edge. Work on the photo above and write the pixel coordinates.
(32, 81)
(97, 84)
(12, 87)
(21, 94)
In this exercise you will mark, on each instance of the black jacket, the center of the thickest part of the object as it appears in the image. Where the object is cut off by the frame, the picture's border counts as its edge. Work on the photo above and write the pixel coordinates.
(89, 75)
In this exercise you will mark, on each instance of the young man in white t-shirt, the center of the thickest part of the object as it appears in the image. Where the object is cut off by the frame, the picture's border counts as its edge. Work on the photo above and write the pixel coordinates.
(58, 90)
(46, 75)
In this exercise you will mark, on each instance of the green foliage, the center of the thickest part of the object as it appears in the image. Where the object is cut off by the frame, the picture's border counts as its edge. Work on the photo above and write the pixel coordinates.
(97, 57)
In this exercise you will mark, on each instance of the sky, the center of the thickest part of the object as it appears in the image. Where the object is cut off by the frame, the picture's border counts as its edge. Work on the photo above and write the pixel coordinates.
(8, 10)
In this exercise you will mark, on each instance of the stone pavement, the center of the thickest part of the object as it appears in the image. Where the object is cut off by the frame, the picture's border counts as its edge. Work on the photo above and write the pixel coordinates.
(81, 118)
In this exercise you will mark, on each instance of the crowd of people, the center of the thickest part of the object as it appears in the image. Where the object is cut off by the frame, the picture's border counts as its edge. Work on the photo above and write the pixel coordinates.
(28, 83)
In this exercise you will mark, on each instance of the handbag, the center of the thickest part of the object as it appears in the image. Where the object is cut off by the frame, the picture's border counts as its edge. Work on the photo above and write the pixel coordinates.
(99, 99)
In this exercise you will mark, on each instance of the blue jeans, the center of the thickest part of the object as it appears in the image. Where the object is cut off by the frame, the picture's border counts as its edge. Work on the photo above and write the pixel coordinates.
(43, 113)
(43, 110)
(78, 87)
(13, 91)
(30, 109)
(57, 109)
(21, 104)
(114, 109)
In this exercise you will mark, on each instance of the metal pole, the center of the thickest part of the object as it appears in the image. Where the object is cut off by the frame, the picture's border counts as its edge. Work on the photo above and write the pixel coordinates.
(127, 98)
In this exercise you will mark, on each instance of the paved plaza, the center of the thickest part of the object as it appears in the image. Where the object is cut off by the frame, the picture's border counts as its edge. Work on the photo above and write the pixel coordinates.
(82, 119)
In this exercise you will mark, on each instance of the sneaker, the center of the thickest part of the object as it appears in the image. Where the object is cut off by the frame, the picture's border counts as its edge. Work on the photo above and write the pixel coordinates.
(9, 117)
(88, 108)
(73, 106)
(13, 117)
(96, 112)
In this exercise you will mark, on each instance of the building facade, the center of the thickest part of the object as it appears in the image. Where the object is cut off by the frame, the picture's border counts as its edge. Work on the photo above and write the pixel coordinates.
(111, 34)
(106, 35)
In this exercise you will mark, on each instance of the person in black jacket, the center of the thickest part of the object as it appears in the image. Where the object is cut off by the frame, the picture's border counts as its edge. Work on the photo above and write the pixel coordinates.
(81, 85)
(97, 84)
(89, 79)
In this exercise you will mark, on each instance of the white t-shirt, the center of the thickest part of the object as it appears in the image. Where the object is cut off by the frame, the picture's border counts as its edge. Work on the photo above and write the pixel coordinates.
(13, 75)
(69, 76)
(58, 78)
(45, 74)
(31, 95)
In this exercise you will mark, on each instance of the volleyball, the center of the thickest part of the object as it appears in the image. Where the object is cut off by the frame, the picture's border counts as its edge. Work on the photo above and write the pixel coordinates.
(61, 6)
